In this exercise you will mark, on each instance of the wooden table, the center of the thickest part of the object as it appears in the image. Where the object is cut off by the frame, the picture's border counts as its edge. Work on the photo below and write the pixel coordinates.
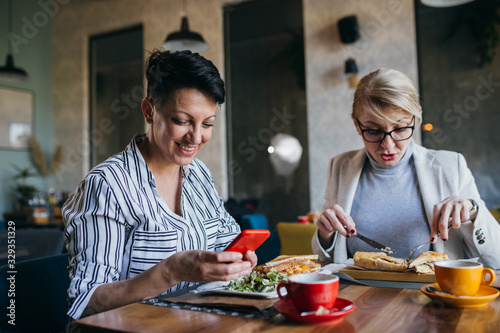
(377, 310)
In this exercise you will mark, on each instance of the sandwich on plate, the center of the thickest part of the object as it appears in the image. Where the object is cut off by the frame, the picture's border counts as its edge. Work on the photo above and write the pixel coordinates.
(291, 264)
(379, 261)
(424, 262)
(265, 278)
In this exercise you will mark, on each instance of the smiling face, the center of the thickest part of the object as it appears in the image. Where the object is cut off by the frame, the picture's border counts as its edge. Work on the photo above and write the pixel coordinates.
(181, 127)
(387, 152)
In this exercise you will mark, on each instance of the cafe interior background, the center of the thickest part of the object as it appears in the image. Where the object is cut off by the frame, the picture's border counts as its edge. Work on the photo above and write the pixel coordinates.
(288, 78)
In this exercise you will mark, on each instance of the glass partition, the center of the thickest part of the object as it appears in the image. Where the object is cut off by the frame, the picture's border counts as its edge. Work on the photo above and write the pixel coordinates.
(116, 91)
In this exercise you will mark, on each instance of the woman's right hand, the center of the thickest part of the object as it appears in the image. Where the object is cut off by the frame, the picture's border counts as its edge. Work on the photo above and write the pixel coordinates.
(192, 266)
(202, 266)
(335, 219)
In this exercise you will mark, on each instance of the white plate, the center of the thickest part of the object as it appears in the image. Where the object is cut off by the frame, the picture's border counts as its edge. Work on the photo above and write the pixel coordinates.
(220, 287)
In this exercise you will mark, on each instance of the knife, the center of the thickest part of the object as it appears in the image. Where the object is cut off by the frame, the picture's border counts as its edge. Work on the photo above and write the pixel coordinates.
(374, 244)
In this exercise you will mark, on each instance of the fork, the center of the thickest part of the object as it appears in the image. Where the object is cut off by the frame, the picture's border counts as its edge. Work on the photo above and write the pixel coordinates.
(415, 249)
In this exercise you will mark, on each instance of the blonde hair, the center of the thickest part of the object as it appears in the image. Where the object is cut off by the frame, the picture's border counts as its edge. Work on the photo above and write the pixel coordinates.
(383, 91)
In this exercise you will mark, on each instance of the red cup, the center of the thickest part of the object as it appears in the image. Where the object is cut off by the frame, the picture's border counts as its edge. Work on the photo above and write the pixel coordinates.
(302, 219)
(309, 291)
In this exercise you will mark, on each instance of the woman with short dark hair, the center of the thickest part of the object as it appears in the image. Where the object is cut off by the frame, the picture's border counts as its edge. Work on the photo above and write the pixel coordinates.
(149, 219)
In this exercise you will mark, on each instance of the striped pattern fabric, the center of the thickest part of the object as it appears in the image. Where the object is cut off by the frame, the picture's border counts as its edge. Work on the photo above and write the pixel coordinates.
(117, 225)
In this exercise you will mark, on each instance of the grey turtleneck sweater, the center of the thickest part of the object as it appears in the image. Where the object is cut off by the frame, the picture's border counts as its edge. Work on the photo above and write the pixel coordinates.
(388, 208)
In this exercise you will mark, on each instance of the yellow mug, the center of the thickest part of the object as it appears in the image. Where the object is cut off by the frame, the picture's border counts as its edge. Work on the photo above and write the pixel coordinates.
(462, 278)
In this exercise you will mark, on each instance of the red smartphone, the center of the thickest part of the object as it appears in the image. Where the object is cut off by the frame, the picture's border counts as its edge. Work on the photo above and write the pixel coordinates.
(248, 239)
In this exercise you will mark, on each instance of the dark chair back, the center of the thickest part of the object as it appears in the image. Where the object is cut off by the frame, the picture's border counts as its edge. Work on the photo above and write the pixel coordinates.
(254, 221)
(41, 300)
(33, 243)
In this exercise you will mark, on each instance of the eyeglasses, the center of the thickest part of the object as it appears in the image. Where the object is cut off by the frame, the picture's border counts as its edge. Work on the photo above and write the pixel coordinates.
(398, 134)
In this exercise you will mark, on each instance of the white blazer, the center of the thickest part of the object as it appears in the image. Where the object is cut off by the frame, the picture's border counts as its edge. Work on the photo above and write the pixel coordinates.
(440, 174)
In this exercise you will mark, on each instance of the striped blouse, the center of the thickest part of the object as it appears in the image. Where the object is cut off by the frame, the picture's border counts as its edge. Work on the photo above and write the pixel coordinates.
(117, 225)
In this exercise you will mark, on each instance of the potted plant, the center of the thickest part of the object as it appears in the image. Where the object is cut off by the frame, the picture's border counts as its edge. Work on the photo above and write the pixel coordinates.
(24, 191)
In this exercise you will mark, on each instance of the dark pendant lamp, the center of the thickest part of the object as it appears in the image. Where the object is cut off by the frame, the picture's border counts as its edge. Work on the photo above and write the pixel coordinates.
(185, 39)
(444, 3)
(9, 72)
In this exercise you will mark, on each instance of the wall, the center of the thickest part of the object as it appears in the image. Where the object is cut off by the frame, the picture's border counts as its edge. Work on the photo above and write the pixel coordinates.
(72, 27)
(55, 54)
(387, 40)
(31, 23)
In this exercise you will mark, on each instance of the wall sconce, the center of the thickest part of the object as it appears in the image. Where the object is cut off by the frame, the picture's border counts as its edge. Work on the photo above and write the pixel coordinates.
(349, 33)
(351, 71)
(185, 39)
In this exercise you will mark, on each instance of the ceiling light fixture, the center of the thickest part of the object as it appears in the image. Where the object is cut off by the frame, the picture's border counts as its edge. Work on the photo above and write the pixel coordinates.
(9, 72)
(185, 39)
(444, 3)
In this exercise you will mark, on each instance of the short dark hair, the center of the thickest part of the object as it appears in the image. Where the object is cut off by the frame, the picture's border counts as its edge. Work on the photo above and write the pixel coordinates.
(169, 71)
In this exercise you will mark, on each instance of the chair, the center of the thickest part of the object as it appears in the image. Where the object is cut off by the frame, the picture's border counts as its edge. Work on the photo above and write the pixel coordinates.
(295, 238)
(270, 249)
(41, 299)
(254, 221)
(33, 243)
(496, 213)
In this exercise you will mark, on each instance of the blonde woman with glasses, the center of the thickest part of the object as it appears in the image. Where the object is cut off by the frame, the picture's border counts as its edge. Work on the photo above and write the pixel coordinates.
(398, 192)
